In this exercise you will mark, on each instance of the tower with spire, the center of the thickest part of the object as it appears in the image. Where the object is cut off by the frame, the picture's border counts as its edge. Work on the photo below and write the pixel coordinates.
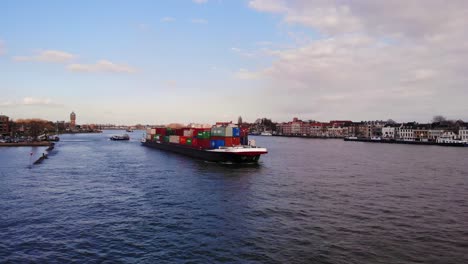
(72, 120)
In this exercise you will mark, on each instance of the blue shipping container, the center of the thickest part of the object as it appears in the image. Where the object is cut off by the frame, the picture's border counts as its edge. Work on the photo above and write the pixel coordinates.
(235, 132)
(216, 143)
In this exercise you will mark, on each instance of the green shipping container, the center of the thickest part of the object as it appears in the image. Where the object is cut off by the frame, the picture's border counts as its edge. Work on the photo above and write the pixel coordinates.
(166, 139)
(204, 134)
(157, 137)
(189, 141)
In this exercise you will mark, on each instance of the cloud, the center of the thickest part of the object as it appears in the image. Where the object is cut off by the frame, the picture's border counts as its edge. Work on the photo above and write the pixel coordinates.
(200, 1)
(374, 59)
(244, 74)
(167, 19)
(55, 56)
(30, 101)
(101, 66)
(199, 21)
(242, 52)
(395, 18)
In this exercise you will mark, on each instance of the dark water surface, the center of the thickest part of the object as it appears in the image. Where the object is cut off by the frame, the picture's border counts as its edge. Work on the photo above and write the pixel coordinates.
(309, 201)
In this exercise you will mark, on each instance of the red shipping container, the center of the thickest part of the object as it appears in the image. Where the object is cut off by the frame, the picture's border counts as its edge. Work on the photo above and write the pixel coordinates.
(183, 140)
(194, 142)
(203, 143)
(179, 132)
(236, 141)
(228, 141)
(161, 131)
(217, 138)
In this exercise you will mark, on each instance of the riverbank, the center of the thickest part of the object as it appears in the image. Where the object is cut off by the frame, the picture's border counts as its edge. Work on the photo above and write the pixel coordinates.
(384, 141)
(27, 144)
(81, 132)
(298, 136)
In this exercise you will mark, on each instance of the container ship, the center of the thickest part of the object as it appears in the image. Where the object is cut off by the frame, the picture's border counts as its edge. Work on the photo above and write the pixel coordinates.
(224, 142)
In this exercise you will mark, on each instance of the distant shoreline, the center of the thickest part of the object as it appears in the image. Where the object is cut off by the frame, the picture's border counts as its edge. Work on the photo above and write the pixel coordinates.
(27, 144)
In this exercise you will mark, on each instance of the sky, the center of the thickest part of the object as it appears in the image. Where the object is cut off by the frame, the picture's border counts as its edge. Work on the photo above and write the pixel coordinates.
(183, 61)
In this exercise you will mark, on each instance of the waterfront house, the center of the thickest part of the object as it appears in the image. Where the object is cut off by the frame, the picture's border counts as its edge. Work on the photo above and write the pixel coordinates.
(463, 134)
(390, 131)
(407, 131)
(421, 132)
(316, 129)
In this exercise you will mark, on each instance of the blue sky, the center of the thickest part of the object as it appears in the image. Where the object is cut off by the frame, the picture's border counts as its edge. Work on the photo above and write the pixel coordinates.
(130, 62)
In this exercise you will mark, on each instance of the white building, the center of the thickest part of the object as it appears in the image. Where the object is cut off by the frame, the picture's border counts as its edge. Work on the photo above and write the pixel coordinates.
(407, 133)
(448, 137)
(390, 132)
(433, 134)
(463, 134)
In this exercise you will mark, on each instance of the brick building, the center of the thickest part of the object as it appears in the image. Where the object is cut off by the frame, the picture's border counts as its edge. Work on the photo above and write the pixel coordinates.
(4, 128)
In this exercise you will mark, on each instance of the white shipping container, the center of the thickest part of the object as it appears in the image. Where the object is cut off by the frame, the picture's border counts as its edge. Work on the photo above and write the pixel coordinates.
(153, 131)
(148, 131)
(228, 131)
(221, 131)
(148, 136)
(188, 133)
(174, 139)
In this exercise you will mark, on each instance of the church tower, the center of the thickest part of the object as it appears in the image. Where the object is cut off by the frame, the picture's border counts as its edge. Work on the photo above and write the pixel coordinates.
(72, 120)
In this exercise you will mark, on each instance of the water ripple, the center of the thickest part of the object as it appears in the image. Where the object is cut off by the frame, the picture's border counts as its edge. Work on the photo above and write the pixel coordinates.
(308, 201)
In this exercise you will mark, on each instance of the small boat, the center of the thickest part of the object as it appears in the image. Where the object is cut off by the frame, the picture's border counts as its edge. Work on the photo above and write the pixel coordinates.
(266, 133)
(53, 138)
(123, 137)
(129, 130)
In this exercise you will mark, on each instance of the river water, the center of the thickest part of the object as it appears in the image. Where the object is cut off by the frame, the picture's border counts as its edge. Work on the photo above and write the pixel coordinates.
(308, 201)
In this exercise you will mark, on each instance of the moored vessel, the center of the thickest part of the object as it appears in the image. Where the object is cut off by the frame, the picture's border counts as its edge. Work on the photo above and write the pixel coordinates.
(122, 137)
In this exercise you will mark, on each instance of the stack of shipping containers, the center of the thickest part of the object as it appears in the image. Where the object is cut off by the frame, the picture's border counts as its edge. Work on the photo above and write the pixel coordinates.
(203, 138)
(224, 136)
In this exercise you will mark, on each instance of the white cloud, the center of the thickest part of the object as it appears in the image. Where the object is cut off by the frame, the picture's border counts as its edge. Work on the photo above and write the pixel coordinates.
(55, 56)
(200, 1)
(30, 101)
(101, 66)
(199, 21)
(243, 52)
(376, 59)
(167, 19)
(269, 6)
(394, 18)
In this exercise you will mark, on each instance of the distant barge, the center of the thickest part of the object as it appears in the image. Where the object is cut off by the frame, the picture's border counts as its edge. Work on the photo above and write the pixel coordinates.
(394, 141)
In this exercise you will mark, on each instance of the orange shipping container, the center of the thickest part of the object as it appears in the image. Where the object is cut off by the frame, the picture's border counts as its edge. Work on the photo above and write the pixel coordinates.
(183, 140)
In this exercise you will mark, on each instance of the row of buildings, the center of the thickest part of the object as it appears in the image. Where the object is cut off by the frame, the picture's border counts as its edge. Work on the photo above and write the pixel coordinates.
(412, 131)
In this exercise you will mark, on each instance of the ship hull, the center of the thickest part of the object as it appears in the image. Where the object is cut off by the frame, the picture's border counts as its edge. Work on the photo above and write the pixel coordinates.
(246, 158)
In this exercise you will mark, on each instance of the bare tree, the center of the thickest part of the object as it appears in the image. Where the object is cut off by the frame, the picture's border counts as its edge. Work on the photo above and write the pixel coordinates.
(439, 119)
